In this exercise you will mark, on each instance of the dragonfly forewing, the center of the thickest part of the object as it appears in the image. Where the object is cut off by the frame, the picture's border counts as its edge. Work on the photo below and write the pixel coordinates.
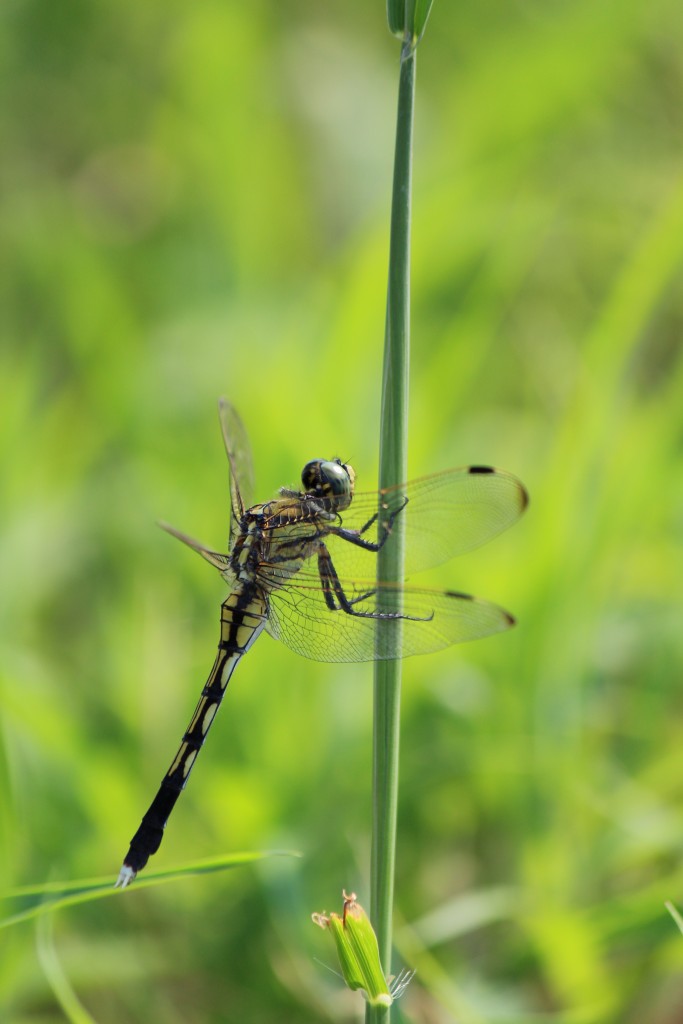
(442, 516)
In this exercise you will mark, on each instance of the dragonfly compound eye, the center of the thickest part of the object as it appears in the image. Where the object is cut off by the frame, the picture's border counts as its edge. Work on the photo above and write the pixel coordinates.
(310, 475)
(328, 479)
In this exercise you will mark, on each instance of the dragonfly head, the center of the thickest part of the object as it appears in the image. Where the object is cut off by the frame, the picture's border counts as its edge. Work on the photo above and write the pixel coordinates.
(333, 480)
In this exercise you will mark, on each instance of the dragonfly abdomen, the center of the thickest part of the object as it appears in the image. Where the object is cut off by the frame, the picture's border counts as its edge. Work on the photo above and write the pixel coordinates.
(243, 616)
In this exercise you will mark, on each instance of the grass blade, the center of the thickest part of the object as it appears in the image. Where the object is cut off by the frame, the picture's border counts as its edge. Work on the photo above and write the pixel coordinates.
(50, 896)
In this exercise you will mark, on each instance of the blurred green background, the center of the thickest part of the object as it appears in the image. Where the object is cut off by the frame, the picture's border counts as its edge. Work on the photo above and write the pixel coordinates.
(195, 202)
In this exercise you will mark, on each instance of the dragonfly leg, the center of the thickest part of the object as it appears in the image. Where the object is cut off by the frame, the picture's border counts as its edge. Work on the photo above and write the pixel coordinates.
(356, 536)
(333, 592)
(336, 599)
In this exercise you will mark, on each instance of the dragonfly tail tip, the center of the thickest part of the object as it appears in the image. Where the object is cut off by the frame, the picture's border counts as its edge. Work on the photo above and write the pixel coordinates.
(126, 876)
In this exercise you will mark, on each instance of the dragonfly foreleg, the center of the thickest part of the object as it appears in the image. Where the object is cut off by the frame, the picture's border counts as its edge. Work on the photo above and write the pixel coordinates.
(356, 536)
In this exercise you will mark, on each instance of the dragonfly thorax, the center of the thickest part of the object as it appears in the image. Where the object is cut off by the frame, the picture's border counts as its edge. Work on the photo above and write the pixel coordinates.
(333, 480)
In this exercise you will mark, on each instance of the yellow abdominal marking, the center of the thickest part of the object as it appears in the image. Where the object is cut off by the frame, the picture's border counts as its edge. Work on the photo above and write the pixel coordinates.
(208, 718)
(252, 620)
(189, 761)
(197, 715)
(244, 635)
(227, 670)
(179, 759)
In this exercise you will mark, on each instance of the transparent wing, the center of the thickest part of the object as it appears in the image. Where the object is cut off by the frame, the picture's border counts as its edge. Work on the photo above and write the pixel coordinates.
(238, 449)
(300, 618)
(445, 515)
(215, 558)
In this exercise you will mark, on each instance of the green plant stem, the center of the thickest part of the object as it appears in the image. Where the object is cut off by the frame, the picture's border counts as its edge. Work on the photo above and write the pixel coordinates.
(393, 470)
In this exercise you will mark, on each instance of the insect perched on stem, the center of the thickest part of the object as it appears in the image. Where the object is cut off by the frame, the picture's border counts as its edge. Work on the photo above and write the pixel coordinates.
(302, 567)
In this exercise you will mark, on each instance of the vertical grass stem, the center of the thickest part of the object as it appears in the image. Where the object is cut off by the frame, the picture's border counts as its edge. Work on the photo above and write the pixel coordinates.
(393, 470)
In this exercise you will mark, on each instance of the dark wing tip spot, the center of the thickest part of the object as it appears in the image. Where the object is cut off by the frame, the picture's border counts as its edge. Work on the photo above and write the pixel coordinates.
(523, 498)
(511, 620)
(459, 594)
(481, 469)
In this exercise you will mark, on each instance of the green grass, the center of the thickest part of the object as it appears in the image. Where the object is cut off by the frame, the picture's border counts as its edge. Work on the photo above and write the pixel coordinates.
(186, 187)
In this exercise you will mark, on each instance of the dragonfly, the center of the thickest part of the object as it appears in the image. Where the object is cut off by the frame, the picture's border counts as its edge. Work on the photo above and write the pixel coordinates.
(303, 568)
